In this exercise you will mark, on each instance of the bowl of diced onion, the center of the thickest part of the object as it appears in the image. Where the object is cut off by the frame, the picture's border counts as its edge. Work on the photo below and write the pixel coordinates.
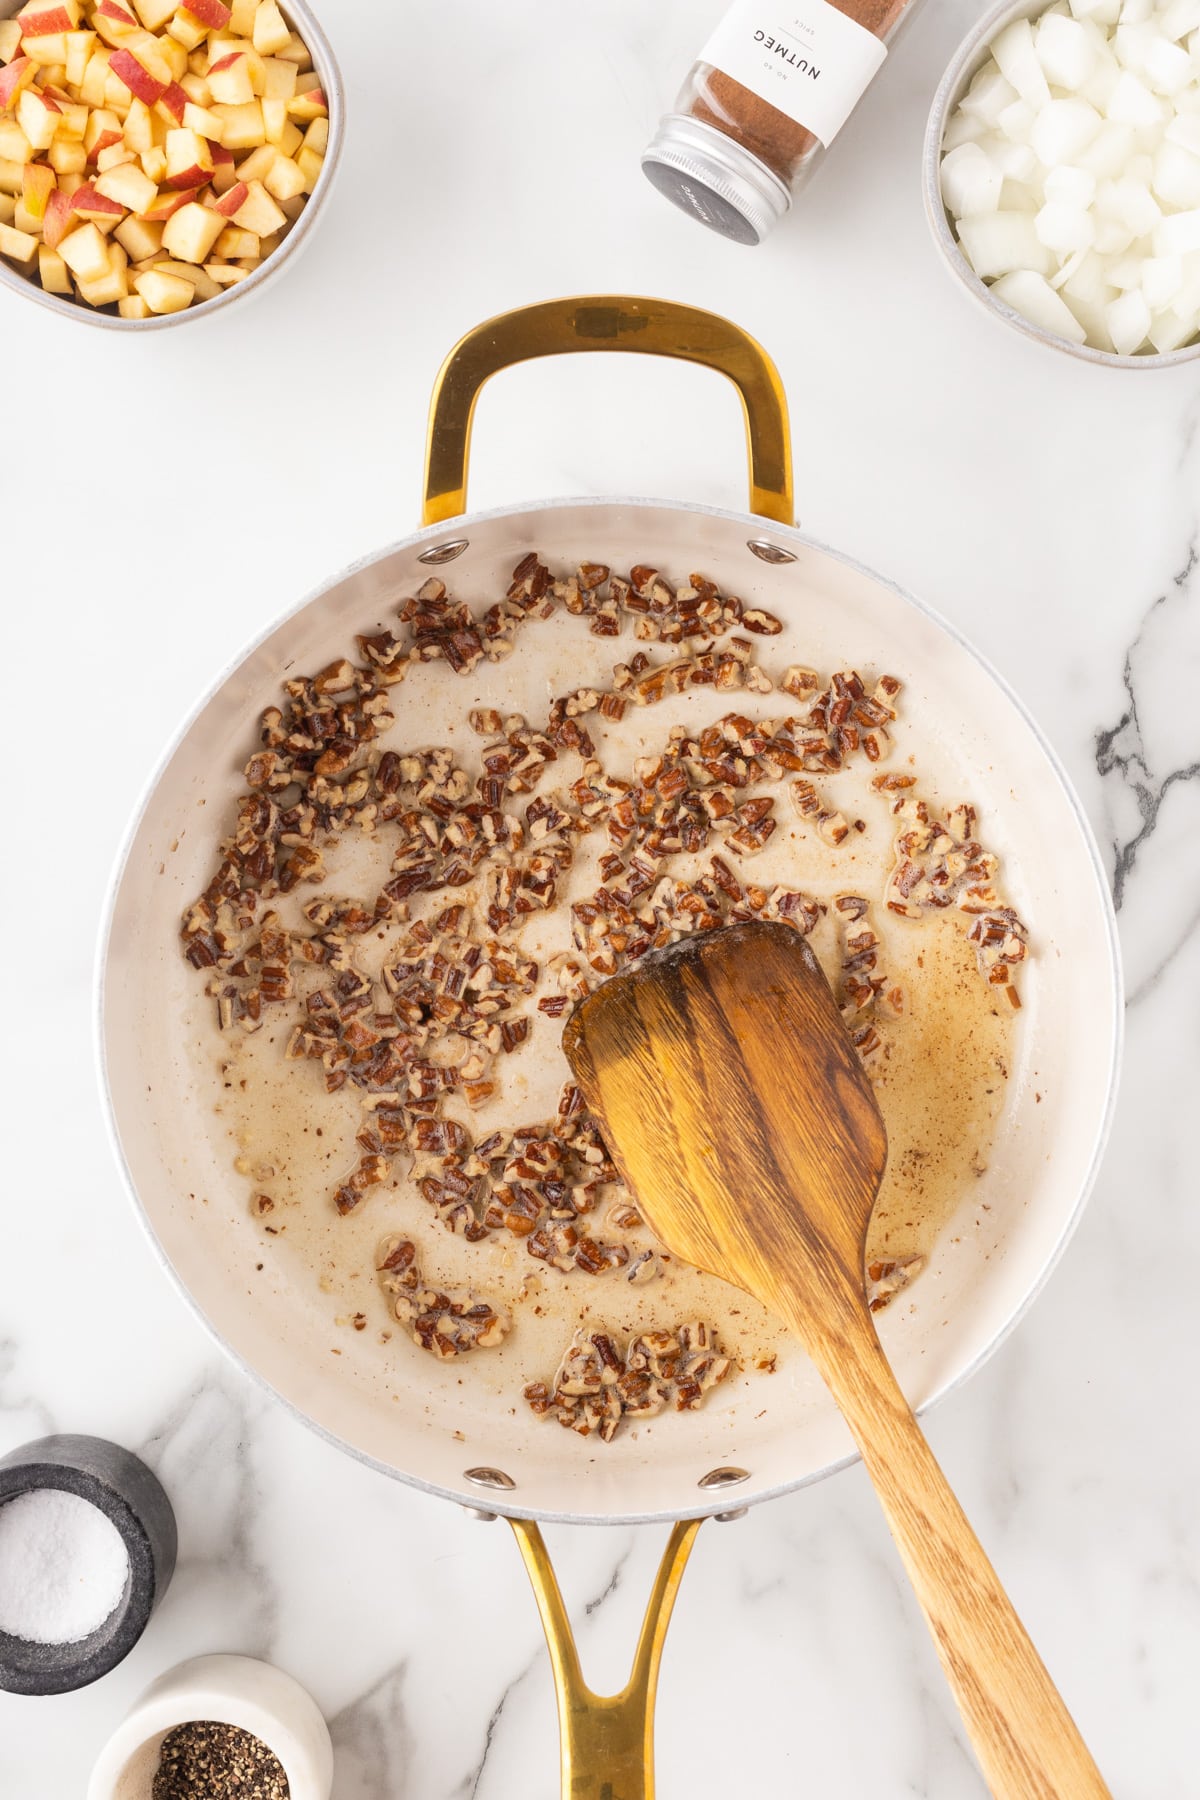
(1062, 175)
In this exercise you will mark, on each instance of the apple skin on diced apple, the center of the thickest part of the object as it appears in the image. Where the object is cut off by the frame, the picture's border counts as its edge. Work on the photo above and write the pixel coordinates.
(173, 104)
(59, 219)
(259, 213)
(137, 78)
(211, 13)
(306, 107)
(48, 18)
(37, 188)
(229, 80)
(169, 202)
(229, 202)
(189, 159)
(191, 233)
(14, 80)
(89, 203)
(120, 15)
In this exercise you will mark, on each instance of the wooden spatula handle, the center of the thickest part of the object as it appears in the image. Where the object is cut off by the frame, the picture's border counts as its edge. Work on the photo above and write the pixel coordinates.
(1027, 1743)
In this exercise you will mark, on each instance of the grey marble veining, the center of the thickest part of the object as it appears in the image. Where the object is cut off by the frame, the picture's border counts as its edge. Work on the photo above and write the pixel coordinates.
(1050, 510)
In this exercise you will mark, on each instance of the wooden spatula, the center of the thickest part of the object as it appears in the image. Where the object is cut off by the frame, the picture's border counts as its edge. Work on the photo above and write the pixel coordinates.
(734, 1104)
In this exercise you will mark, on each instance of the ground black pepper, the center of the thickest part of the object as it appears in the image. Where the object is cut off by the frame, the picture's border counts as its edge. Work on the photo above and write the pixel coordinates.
(206, 1761)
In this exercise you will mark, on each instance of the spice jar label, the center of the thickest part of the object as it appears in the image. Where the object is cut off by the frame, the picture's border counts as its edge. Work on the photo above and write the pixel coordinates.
(805, 58)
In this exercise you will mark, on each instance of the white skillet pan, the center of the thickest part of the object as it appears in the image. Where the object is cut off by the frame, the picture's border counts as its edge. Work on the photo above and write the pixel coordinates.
(422, 1425)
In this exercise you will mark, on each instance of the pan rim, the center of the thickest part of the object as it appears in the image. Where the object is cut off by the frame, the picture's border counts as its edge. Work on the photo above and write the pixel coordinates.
(497, 1503)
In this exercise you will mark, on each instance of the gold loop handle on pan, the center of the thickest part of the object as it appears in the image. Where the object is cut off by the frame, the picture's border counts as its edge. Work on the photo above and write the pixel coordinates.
(606, 1740)
(607, 322)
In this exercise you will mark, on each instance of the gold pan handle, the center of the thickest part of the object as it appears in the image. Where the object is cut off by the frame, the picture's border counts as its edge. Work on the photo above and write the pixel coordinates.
(607, 322)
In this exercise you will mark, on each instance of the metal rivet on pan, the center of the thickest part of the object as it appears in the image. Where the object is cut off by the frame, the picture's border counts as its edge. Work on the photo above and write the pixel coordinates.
(723, 1478)
(444, 553)
(765, 551)
(728, 1518)
(480, 1515)
(490, 1478)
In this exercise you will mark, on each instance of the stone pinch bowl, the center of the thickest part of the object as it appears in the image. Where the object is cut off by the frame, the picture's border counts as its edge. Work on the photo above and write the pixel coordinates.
(26, 285)
(225, 1690)
(120, 1486)
(965, 63)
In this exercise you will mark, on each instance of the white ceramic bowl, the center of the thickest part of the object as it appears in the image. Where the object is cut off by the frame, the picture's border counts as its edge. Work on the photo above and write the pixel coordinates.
(967, 60)
(227, 1690)
(302, 20)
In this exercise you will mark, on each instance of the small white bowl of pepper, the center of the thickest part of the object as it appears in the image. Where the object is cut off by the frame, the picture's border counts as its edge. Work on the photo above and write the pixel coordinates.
(218, 1728)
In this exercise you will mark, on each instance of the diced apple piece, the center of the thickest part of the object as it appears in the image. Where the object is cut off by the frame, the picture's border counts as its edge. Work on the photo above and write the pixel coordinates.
(259, 212)
(52, 271)
(189, 159)
(12, 176)
(74, 115)
(206, 288)
(225, 175)
(224, 274)
(154, 162)
(79, 50)
(49, 18)
(310, 163)
(14, 145)
(85, 253)
(68, 185)
(94, 86)
(139, 127)
(130, 185)
(212, 14)
(169, 202)
(271, 33)
(155, 13)
(235, 243)
(111, 156)
(133, 307)
(113, 285)
(229, 202)
(255, 166)
(48, 53)
(139, 239)
(103, 128)
(21, 246)
(173, 105)
(174, 55)
(207, 124)
(197, 89)
(187, 30)
(285, 180)
(307, 82)
(241, 17)
(136, 76)
(119, 13)
(90, 203)
(39, 118)
(10, 39)
(14, 80)
(192, 232)
(306, 107)
(280, 79)
(36, 189)
(164, 293)
(229, 81)
(8, 208)
(59, 219)
(67, 156)
(243, 126)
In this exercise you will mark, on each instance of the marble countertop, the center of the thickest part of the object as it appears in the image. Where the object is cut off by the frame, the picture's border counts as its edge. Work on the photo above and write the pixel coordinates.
(165, 497)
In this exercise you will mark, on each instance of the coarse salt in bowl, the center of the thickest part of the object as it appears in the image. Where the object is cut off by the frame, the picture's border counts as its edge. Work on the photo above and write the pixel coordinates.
(1057, 137)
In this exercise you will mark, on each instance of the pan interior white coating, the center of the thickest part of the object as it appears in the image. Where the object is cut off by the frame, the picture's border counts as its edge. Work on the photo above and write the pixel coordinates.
(421, 1420)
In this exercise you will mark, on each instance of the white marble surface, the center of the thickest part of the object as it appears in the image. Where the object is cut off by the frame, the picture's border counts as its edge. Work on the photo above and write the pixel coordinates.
(164, 498)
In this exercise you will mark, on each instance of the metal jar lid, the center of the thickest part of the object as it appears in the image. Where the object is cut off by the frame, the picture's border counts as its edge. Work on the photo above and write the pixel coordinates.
(715, 178)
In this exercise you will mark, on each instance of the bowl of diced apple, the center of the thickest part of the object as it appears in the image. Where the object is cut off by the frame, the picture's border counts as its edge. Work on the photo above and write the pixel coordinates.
(159, 160)
(1062, 175)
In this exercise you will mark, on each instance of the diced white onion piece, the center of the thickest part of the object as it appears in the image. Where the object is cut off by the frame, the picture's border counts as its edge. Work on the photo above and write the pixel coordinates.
(1184, 129)
(997, 243)
(1112, 238)
(1187, 301)
(1063, 128)
(1093, 321)
(989, 94)
(1167, 67)
(1103, 12)
(1064, 51)
(1176, 178)
(1068, 269)
(1016, 121)
(1089, 282)
(1076, 187)
(1131, 45)
(1035, 300)
(971, 182)
(1125, 272)
(1135, 12)
(1018, 62)
(1015, 161)
(1109, 152)
(1178, 17)
(1130, 203)
(1162, 280)
(1177, 233)
(1064, 228)
(1128, 319)
(1132, 103)
(963, 128)
(1168, 331)
(1102, 79)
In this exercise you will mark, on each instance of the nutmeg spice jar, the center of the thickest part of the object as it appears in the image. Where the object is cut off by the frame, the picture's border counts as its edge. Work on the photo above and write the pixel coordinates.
(766, 97)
